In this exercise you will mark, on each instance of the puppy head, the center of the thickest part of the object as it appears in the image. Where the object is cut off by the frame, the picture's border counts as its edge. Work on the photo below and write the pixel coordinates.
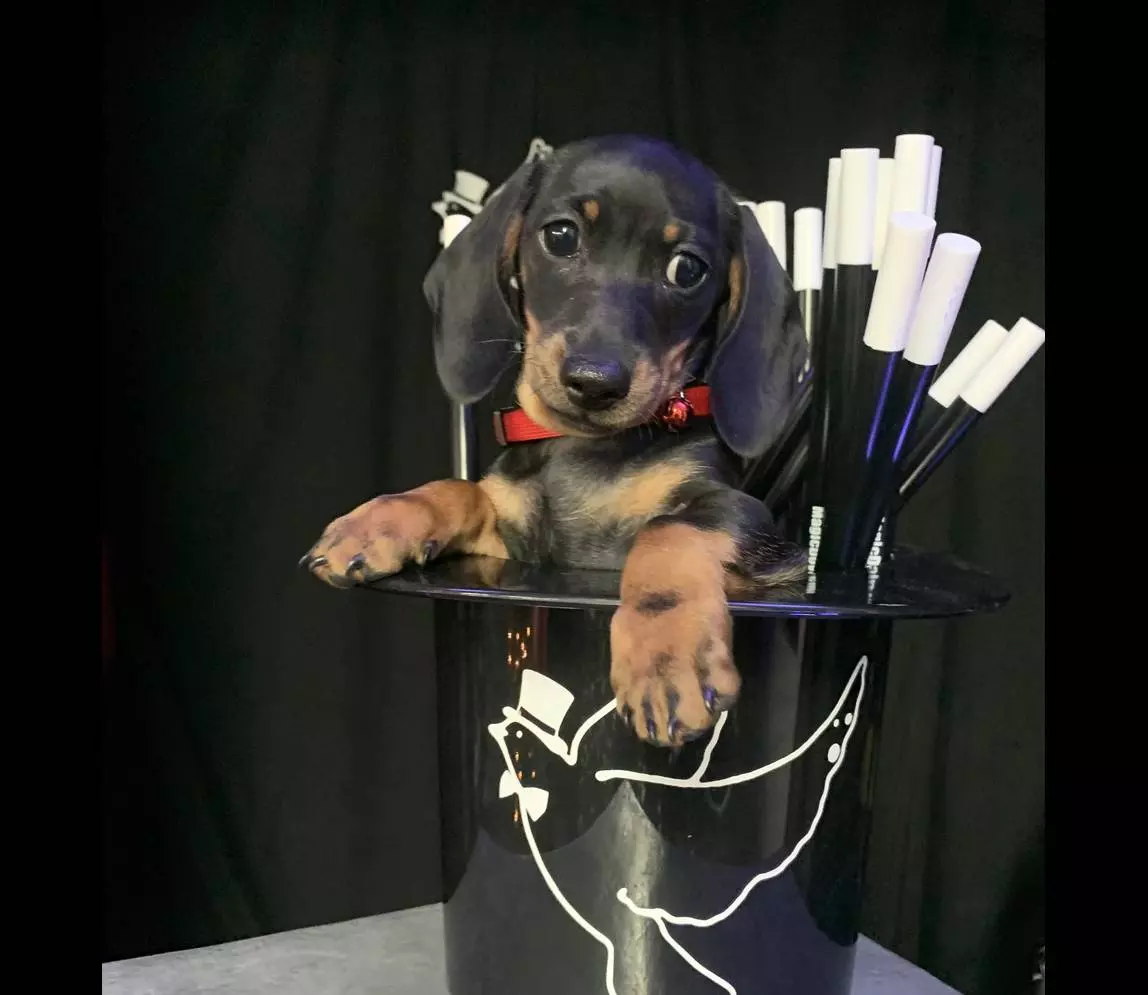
(636, 271)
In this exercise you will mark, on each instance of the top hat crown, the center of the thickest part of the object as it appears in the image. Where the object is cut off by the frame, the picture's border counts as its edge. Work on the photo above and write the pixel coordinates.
(544, 700)
(469, 186)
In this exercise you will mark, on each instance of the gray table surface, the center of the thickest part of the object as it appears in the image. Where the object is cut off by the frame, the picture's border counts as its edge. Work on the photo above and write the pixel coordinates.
(395, 954)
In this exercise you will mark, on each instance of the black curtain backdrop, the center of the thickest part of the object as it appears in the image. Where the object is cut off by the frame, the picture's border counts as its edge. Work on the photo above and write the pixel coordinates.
(269, 757)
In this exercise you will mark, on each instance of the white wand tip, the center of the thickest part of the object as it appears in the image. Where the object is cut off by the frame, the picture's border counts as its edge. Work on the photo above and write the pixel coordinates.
(946, 280)
(969, 362)
(899, 281)
(1021, 344)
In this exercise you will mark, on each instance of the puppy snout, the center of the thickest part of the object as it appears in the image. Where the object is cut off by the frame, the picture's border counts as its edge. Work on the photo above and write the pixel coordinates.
(595, 384)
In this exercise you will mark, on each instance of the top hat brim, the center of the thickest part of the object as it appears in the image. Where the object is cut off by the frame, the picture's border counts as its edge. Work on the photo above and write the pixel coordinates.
(450, 197)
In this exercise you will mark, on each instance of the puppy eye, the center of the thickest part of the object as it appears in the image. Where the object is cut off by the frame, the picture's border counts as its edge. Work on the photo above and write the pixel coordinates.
(560, 238)
(686, 270)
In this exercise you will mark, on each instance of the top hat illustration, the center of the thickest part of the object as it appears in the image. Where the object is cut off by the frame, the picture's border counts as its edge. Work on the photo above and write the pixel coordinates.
(470, 189)
(544, 701)
(468, 193)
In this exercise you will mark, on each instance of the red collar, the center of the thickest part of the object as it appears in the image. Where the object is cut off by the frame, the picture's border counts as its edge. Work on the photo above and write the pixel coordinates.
(513, 425)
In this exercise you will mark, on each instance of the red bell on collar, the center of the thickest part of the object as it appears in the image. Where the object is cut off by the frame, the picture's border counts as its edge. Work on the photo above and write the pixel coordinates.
(677, 413)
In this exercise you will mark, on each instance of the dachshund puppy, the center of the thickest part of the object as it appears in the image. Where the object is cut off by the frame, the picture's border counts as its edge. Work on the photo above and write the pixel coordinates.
(616, 271)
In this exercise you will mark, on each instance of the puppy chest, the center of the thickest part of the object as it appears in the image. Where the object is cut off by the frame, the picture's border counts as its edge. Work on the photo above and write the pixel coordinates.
(589, 517)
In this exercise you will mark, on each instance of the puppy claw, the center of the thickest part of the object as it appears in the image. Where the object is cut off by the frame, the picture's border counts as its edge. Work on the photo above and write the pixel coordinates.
(356, 563)
(651, 723)
(318, 561)
(305, 559)
(709, 695)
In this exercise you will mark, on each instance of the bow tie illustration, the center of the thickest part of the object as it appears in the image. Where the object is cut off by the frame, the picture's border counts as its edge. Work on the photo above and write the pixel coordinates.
(534, 800)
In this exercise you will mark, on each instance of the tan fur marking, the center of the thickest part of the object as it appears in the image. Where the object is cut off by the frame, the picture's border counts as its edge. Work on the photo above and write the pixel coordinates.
(646, 382)
(544, 353)
(672, 365)
(637, 495)
(591, 209)
(464, 516)
(678, 352)
(736, 281)
(537, 358)
(510, 242)
(533, 328)
(671, 232)
(514, 503)
(542, 359)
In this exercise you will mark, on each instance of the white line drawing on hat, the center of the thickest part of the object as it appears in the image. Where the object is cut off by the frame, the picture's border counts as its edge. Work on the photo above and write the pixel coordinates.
(469, 192)
(469, 195)
(543, 703)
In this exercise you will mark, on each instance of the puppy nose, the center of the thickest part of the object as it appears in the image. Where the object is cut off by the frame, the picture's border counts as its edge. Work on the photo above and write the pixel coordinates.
(595, 383)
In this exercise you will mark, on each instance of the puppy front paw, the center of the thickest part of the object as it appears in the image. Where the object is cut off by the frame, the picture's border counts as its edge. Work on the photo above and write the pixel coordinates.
(375, 540)
(671, 666)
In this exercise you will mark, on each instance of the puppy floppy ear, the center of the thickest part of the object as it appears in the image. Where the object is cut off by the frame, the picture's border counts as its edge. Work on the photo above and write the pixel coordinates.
(760, 346)
(476, 318)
